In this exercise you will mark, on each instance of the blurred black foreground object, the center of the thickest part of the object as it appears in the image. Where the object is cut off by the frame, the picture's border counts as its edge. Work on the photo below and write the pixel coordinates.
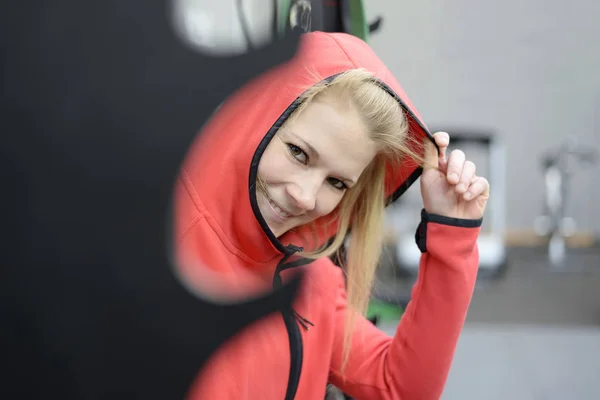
(99, 103)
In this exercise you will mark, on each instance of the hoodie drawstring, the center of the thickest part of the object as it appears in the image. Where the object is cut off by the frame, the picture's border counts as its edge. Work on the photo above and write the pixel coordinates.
(277, 281)
(303, 321)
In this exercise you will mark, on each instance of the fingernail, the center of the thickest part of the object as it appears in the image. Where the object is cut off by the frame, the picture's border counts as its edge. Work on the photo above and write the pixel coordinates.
(461, 187)
(467, 195)
(453, 176)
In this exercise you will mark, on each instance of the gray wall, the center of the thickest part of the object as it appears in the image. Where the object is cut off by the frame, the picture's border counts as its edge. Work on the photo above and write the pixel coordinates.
(530, 70)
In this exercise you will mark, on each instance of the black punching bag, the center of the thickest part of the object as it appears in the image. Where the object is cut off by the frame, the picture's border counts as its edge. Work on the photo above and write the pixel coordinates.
(99, 102)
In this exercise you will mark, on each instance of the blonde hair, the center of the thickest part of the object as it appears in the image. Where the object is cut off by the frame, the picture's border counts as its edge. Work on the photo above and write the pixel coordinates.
(362, 208)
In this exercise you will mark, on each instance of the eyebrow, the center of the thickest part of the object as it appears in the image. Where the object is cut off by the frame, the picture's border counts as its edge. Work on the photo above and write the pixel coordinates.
(316, 154)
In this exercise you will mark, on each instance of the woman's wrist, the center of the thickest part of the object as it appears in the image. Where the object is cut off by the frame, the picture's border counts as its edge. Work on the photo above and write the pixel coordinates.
(421, 232)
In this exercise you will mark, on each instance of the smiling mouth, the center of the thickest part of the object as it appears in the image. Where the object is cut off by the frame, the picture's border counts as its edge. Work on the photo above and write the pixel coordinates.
(278, 210)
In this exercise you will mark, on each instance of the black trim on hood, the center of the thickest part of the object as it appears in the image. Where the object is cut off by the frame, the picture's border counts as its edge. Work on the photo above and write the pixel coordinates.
(254, 173)
(256, 160)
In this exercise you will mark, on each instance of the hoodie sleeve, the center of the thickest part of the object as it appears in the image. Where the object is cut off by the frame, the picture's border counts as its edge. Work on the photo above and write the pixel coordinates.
(415, 363)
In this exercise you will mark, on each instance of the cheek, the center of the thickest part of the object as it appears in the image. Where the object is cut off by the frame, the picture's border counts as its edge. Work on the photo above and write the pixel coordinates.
(274, 166)
(327, 201)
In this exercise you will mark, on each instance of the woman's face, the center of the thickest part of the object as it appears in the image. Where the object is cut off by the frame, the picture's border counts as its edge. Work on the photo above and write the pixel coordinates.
(310, 163)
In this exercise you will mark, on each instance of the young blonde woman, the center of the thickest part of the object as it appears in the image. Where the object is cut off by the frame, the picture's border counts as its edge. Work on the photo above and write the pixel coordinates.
(293, 164)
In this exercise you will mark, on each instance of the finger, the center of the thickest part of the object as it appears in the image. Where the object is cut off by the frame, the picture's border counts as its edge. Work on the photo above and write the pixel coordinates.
(433, 157)
(455, 166)
(480, 186)
(442, 139)
(466, 177)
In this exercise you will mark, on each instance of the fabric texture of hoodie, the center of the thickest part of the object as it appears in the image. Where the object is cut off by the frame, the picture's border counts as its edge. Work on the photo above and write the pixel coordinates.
(224, 246)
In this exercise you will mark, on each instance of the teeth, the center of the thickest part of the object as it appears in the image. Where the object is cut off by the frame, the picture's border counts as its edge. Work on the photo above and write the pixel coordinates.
(282, 213)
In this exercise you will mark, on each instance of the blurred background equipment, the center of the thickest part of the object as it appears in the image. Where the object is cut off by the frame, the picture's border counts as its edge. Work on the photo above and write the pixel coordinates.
(558, 166)
(329, 16)
(236, 26)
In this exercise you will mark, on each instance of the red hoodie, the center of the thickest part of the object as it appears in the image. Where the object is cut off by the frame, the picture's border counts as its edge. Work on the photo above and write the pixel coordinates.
(218, 224)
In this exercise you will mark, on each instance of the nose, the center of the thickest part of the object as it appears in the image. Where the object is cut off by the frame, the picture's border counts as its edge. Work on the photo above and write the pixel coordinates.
(303, 195)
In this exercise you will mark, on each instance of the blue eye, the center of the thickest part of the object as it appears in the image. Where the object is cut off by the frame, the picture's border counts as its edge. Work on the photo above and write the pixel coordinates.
(298, 153)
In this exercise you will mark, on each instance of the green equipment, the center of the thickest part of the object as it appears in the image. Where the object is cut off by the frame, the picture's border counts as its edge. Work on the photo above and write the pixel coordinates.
(325, 15)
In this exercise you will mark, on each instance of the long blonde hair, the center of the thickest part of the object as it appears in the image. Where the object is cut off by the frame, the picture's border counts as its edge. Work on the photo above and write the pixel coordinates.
(361, 210)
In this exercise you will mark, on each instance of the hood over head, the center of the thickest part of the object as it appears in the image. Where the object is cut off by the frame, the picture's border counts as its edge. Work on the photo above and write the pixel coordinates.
(220, 169)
